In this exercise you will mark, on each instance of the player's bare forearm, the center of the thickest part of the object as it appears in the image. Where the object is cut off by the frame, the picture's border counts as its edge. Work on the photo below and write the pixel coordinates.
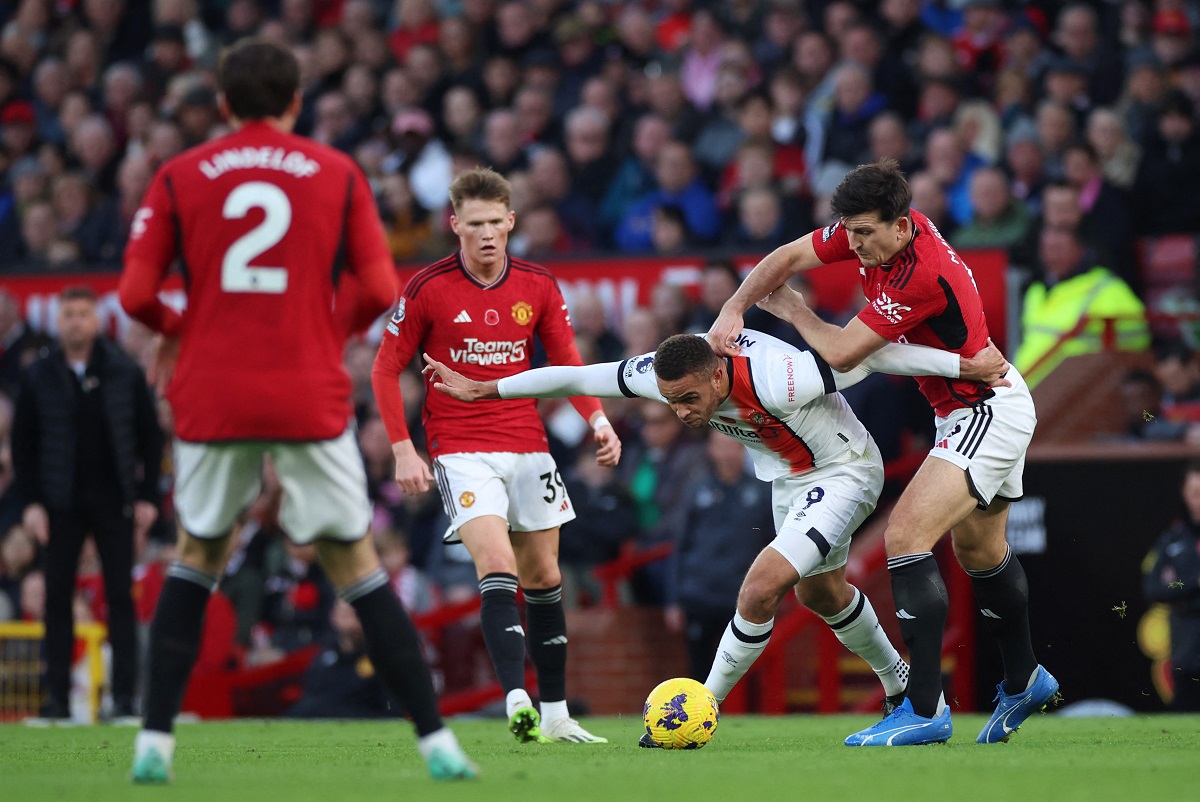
(768, 275)
(457, 386)
(843, 348)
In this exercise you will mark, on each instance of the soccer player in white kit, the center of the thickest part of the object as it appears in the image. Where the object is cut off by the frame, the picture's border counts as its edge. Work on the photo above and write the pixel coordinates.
(825, 469)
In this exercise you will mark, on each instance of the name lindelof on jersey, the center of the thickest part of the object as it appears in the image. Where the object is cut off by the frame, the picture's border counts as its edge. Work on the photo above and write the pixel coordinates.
(293, 163)
(489, 352)
(892, 310)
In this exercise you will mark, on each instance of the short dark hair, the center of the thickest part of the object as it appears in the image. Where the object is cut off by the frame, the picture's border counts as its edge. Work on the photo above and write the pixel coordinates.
(258, 79)
(77, 292)
(879, 187)
(480, 183)
(683, 355)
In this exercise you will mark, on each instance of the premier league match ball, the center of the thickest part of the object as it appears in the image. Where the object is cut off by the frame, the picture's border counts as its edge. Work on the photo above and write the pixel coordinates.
(680, 714)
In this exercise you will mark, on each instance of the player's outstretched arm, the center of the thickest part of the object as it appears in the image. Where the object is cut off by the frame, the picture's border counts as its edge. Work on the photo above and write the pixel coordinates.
(768, 275)
(987, 366)
(454, 384)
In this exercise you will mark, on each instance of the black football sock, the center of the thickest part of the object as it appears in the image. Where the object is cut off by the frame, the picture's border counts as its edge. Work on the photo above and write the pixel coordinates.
(174, 643)
(547, 639)
(921, 606)
(502, 630)
(394, 648)
(1002, 595)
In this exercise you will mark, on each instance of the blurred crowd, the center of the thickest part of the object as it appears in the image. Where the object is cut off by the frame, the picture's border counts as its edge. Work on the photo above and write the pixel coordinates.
(630, 126)
(1059, 132)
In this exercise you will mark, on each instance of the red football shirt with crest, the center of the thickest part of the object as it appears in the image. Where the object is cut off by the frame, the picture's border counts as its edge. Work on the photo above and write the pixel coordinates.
(266, 226)
(485, 332)
(926, 296)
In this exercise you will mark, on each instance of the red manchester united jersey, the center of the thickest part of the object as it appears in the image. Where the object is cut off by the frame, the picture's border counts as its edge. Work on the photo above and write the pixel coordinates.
(262, 223)
(926, 296)
(485, 332)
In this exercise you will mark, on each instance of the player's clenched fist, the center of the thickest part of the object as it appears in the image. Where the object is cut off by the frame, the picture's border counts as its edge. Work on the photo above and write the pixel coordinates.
(412, 472)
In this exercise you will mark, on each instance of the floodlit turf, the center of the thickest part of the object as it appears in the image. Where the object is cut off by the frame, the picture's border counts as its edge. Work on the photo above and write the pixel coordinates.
(751, 758)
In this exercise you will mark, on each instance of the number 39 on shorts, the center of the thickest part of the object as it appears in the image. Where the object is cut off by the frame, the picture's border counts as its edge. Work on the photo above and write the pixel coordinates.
(552, 492)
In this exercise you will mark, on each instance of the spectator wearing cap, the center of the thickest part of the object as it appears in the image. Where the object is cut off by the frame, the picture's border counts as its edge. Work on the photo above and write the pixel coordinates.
(18, 128)
(1065, 83)
(678, 184)
(1077, 34)
(1172, 36)
(1165, 196)
(579, 57)
(421, 156)
(1026, 165)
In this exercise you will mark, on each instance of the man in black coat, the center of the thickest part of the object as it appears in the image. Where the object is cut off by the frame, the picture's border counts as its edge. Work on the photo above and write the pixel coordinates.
(87, 451)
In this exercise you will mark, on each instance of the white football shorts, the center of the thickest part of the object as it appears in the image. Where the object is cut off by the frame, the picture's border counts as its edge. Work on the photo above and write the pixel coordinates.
(825, 507)
(989, 441)
(324, 486)
(524, 489)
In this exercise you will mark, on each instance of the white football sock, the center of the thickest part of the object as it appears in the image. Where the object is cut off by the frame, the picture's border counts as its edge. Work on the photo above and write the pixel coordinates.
(740, 646)
(162, 742)
(858, 628)
(516, 699)
(554, 711)
(443, 738)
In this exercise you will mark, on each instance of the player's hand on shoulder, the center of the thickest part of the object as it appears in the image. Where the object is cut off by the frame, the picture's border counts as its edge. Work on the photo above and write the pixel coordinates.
(987, 366)
(608, 452)
(412, 472)
(783, 303)
(723, 336)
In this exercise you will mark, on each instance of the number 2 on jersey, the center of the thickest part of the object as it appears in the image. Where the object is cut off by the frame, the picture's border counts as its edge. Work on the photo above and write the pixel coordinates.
(236, 273)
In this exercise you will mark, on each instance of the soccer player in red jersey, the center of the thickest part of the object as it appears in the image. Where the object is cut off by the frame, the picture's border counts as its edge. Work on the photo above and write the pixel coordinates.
(478, 311)
(264, 225)
(919, 290)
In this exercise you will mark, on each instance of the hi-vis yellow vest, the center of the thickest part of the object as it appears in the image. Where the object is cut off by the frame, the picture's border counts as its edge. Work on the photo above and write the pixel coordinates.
(1050, 314)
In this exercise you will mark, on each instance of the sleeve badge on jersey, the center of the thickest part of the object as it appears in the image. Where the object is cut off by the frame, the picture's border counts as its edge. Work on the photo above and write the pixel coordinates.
(398, 315)
(522, 313)
(644, 364)
(828, 231)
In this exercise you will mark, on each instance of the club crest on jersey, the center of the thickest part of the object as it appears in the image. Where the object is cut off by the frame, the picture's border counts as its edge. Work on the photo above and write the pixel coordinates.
(466, 500)
(757, 418)
(398, 315)
(522, 313)
(829, 231)
(491, 317)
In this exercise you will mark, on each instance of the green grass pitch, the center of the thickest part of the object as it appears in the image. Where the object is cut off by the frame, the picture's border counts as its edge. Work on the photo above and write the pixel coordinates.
(751, 758)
